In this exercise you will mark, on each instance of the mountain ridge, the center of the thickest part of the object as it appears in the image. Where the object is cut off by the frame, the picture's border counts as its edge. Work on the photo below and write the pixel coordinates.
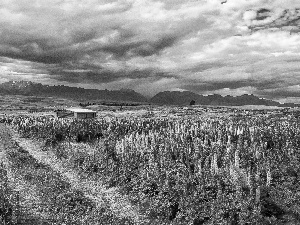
(29, 88)
(185, 98)
(38, 89)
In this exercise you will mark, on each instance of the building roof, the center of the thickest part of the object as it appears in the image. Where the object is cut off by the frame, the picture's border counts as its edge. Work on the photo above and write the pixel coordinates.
(79, 110)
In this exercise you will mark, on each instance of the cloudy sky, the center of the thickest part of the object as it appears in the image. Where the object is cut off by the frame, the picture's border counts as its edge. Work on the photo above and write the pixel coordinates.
(205, 46)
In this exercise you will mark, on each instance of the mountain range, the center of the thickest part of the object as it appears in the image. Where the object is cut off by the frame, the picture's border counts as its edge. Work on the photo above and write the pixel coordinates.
(185, 97)
(28, 88)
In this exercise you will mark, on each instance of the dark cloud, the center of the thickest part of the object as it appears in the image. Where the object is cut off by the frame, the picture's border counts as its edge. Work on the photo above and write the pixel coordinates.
(278, 93)
(47, 50)
(268, 83)
(83, 36)
(48, 57)
(271, 88)
(104, 75)
(265, 19)
(154, 44)
(75, 42)
(213, 86)
(205, 66)
(148, 49)
(263, 14)
(139, 48)
(292, 60)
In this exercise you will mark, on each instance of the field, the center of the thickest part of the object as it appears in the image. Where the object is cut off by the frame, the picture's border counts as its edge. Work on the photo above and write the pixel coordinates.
(162, 165)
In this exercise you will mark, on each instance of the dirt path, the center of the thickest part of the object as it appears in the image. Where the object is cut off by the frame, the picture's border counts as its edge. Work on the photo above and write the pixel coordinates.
(28, 201)
(53, 194)
(91, 189)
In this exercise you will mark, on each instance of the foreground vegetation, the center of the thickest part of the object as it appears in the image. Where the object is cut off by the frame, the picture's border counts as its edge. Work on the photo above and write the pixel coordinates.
(192, 170)
(33, 192)
(9, 203)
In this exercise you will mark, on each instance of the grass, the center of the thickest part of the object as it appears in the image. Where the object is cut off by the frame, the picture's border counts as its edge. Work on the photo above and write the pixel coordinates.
(9, 200)
(49, 196)
(240, 181)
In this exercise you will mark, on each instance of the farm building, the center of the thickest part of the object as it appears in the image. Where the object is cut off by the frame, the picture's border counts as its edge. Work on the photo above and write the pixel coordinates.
(77, 113)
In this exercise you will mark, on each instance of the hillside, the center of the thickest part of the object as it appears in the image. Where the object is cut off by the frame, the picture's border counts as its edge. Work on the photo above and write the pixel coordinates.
(185, 97)
(61, 91)
(27, 88)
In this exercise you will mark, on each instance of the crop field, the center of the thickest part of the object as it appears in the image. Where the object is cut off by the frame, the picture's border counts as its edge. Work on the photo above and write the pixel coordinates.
(170, 166)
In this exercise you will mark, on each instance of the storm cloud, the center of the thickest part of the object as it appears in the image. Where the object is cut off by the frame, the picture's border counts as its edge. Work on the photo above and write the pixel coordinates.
(237, 47)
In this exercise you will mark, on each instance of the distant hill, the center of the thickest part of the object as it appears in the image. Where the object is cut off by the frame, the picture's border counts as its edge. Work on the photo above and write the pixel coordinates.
(28, 88)
(36, 89)
(185, 97)
(174, 98)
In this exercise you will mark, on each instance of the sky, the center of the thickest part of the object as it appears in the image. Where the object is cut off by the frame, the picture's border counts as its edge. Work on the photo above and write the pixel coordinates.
(231, 47)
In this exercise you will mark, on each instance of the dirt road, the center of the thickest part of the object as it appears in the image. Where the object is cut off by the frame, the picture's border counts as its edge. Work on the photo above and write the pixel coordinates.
(51, 194)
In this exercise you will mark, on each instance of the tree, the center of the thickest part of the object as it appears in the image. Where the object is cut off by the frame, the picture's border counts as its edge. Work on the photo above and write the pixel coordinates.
(192, 102)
